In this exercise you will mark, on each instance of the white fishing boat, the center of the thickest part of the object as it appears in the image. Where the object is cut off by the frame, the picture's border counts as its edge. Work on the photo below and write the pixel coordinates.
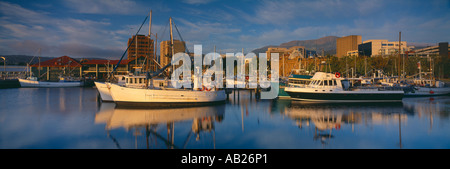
(164, 97)
(328, 87)
(147, 91)
(63, 82)
(103, 89)
(423, 87)
(426, 86)
(130, 81)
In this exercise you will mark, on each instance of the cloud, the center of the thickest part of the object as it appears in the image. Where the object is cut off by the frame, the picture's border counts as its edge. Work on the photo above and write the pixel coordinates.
(197, 2)
(25, 30)
(206, 33)
(106, 6)
(73, 49)
(288, 11)
(19, 14)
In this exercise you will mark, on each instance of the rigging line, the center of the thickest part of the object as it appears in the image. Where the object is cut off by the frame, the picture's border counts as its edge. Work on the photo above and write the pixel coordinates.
(181, 38)
(164, 31)
(115, 67)
(34, 55)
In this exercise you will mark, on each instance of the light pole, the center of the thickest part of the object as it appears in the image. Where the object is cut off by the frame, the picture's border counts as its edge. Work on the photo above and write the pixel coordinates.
(4, 65)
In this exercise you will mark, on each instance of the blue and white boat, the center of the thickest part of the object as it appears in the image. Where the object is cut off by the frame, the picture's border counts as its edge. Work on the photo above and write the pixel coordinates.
(63, 82)
(328, 87)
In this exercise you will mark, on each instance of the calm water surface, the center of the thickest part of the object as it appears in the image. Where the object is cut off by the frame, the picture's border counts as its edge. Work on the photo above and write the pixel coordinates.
(74, 118)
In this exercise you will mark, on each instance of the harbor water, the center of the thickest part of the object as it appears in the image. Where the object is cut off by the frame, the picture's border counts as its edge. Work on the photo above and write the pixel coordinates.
(75, 118)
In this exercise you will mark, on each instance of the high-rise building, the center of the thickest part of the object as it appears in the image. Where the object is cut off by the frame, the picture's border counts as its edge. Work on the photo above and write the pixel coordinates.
(382, 47)
(347, 43)
(166, 50)
(142, 48)
(443, 49)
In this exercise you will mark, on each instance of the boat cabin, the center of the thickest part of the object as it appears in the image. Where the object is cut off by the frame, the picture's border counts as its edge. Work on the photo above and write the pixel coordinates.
(428, 83)
(133, 81)
(299, 80)
(140, 82)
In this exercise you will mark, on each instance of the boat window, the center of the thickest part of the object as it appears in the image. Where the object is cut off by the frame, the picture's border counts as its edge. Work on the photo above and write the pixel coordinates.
(321, 83)
(334, 82)
(140, 80)
(123, 78)
(325, 82)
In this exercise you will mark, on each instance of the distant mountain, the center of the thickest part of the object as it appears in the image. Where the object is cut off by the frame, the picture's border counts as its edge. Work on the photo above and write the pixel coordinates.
(328, 44)
(22, 60)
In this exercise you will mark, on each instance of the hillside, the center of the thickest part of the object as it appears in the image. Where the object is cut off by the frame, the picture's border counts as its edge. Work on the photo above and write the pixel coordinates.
(22, 60)
(328, 44)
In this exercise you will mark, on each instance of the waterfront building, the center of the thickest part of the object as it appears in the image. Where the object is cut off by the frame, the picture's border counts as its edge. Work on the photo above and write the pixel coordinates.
(352, 53)
(442, 50)
(52, 69)
(382, 47)
(98, 69)
(347, 43)
(166, 50)
(288, 58)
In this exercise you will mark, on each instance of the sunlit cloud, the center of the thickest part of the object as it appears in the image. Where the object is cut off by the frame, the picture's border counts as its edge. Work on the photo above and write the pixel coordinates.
(106, 25)
(105, 6)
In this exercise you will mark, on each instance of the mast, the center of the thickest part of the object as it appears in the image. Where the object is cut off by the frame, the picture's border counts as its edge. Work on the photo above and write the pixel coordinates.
(149, 39)
(150, 25)
(171, 40)
(39, 68)
(399, 55)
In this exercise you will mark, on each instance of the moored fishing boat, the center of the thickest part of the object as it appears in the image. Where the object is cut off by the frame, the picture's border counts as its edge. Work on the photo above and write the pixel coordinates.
(170, 97)
(423, 87)
(297, 80)
(148, 91)
(33, 82)
(327, 87)
(104, 91)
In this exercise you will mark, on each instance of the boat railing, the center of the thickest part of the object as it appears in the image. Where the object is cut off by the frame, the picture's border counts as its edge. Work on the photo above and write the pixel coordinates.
(389, 88)
(297, 85)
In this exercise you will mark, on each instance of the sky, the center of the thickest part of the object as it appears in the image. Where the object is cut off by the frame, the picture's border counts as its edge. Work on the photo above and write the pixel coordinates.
(101, 28)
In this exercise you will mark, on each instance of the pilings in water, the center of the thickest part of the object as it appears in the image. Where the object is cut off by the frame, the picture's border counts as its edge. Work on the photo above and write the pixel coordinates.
(256, 91)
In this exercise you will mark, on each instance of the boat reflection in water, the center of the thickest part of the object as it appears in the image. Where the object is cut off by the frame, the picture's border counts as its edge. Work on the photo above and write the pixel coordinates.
(153, 122)
(326, 118)
(428, 107)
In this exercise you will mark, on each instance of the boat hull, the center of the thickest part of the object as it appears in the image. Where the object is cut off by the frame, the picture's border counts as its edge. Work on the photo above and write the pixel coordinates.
(104, 91)
(283, 94)
(428, 91)
(347, 96)
(158, 98)
(32, 83)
